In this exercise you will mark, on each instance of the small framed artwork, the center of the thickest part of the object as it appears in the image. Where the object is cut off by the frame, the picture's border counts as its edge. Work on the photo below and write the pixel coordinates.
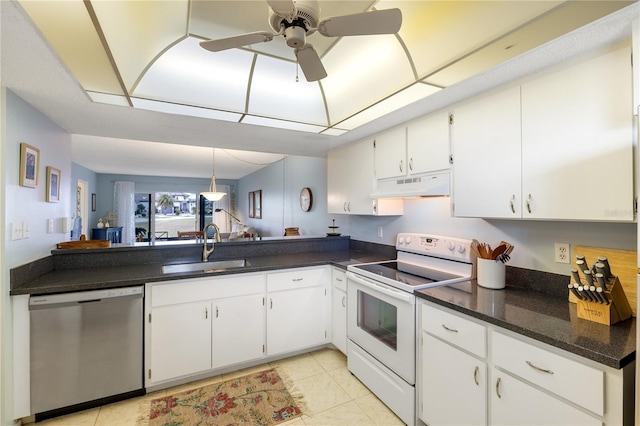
(252, 209)
(93, 202)
(53, 184)
(257, 202)
(29, 165)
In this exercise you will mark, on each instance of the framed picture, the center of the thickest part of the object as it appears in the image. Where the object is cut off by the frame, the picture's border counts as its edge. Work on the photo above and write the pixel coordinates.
(53, 184)
(252, 209)
(93, 202)
(257, 202)
(29, 165)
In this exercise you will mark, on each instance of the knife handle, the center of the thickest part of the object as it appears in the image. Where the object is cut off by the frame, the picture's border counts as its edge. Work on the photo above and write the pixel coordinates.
(607, 267)
(582, 265)
(603, 295)
(575, 275)
(594, 294)
(600, 280)
(582, 258)
(588, 277)
(575, 292)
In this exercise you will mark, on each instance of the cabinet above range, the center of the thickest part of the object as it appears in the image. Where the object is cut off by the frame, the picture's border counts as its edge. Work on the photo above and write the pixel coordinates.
(413, 160)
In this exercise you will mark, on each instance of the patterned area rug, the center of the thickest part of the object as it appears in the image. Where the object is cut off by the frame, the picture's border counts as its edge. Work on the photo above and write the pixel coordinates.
(255, 399)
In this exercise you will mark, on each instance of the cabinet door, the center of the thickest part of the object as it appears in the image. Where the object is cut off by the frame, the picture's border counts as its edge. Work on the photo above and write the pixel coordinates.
(515, 403)
(350, 179)
(339, 310)
(453, 385)
(577, 141)
(486, 146)
(391, 154)
(238, 330)
(338, 176)
(296, 319)
(428, 143)
(180, 340)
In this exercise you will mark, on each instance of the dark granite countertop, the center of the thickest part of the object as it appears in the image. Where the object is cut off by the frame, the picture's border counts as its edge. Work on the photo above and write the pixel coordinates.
(544, 317)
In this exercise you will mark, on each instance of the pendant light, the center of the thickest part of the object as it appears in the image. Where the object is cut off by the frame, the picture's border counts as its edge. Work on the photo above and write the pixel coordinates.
(213, 194)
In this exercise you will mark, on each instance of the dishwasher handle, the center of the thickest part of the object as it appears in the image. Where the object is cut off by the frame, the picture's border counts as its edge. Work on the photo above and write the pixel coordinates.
(50, 301)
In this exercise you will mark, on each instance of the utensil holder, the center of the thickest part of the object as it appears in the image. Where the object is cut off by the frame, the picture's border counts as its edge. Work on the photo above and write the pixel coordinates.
(617, 310)
(491, 274)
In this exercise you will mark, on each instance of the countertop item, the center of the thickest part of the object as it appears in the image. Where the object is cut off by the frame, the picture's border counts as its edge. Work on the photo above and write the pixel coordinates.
(543, 317)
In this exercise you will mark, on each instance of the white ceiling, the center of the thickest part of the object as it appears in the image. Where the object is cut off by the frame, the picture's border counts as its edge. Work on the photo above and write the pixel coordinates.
(158, 143)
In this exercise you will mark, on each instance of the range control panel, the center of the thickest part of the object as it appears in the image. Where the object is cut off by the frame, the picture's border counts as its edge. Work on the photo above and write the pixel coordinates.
(435, 245)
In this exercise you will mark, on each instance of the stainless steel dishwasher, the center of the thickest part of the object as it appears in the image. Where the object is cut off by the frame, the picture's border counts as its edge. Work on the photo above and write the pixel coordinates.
(86, 349)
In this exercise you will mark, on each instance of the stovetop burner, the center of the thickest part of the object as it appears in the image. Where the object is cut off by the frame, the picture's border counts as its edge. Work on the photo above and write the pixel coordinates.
(408, 274)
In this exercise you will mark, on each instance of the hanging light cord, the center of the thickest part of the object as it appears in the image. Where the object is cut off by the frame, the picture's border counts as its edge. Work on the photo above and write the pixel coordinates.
(245, 161)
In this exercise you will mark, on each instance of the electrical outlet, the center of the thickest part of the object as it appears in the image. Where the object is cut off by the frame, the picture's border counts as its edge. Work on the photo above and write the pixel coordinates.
(379, 231)
(562, 253)
(16, 231)
(49, 226)
(25, 229)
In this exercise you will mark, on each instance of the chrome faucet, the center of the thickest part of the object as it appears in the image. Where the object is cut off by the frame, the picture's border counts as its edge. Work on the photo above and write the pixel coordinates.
(205, 251)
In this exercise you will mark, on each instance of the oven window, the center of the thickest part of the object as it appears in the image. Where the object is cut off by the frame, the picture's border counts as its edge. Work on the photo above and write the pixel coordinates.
(378, 318)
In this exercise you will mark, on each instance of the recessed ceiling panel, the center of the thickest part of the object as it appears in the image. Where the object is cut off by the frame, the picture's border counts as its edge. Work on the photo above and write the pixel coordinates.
(399, 100)
(188, 74)
(171, 108)
(106, 98)
(282, 124)
(137, 31)
(276, 93)
(363, 70)
(68, 28)
(437, 33)
(561, 20)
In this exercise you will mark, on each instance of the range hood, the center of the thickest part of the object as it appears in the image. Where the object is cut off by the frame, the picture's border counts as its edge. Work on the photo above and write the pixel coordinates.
(422, 185)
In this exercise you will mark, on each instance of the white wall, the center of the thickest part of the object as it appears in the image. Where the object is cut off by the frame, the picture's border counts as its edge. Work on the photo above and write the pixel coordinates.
(23, 123)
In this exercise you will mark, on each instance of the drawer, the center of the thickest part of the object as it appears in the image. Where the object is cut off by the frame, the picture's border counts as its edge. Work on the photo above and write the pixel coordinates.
(298, 278)
(200, 289)
(455, 329)
(339, 279)
(568, 378)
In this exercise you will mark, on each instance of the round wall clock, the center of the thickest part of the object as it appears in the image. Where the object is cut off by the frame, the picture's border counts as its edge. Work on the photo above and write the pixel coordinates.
(306, 199)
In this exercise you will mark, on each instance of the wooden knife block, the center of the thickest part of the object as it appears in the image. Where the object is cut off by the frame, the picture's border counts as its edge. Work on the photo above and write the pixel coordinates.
(616, 311)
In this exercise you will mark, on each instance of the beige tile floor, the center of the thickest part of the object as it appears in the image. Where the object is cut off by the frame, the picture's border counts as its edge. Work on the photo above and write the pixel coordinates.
(331, 394)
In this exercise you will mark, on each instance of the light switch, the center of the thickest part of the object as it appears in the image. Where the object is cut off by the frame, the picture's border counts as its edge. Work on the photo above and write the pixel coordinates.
(66, 224)
(16, 231)
(49, 226)
(25, 229)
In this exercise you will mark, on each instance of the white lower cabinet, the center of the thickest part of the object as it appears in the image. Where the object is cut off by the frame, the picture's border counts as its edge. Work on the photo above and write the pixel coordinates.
(475, 373)
(298, 306)
(196, 326)
(339, 309)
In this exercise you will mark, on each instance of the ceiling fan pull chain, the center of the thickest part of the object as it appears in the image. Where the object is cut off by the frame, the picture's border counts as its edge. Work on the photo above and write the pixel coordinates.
(297, 67)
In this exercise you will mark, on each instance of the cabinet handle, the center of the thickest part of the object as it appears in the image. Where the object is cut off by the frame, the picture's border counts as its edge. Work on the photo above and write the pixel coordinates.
(401, 166)
(513, 203)
(344, 206)
(344, 299)
(295, 280)
(217, 313)
(453, 330)
(339, 279)
(270, 303)
(535, 367)
(349, 206)
(475, 375)
(411, 164)
(529, 203)
(206, 313)
(498, 387)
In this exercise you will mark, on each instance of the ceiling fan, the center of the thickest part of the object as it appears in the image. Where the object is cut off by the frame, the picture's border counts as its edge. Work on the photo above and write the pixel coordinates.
(295, 20)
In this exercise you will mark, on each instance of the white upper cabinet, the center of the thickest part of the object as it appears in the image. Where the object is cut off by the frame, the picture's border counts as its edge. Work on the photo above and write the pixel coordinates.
(486, 156)
(391, 153)
(428, 143)
(559, 147)
(350, 182)
(577, 141)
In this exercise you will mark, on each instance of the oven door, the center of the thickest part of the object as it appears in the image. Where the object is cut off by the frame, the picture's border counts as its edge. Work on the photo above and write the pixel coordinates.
(381, 320)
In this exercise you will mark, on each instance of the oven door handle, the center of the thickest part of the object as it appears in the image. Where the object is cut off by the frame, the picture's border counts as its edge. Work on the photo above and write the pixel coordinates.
(381, 288)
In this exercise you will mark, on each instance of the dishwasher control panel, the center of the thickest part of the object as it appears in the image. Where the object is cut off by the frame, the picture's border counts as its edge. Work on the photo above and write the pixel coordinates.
(85, 296)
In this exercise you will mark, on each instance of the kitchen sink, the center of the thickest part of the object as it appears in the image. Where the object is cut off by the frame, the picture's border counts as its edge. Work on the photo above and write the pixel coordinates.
(213, 266)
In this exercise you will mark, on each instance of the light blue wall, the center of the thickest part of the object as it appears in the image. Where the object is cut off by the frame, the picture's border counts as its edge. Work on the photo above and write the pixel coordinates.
(82, 173)
(281, 184)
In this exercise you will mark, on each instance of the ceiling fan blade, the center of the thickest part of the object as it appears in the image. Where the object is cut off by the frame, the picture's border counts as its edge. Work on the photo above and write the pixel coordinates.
(237, 41)
(285, 8)
(386, 21)
(310, 63)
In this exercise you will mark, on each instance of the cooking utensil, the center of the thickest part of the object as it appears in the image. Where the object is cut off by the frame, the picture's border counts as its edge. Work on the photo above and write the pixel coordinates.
(501, 248)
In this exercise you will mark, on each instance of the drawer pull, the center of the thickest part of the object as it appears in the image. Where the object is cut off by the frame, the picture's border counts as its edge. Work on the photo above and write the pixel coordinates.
(498, 387)
(475, 375)
(344, 299)
(535, 367)
(453, 330)
(295, 280)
